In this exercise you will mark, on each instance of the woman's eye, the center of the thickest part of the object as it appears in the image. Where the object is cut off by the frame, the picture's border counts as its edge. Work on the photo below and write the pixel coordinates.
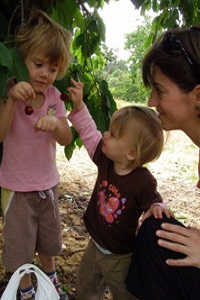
(159, 92)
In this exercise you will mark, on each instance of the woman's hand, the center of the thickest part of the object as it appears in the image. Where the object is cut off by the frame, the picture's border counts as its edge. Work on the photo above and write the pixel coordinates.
(183, 240)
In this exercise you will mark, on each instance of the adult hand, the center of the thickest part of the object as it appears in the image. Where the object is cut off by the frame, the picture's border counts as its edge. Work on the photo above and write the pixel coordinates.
(183, 240)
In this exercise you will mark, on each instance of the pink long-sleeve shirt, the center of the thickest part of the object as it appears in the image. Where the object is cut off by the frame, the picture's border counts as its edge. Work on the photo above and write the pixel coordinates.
(29, 157)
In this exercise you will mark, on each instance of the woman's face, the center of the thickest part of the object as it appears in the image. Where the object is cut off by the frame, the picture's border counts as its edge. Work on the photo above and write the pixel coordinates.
(175, 107)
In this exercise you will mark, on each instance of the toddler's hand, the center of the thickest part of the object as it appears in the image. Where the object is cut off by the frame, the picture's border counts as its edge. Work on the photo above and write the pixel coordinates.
(76, 94)
(21, 91)
(157, 211)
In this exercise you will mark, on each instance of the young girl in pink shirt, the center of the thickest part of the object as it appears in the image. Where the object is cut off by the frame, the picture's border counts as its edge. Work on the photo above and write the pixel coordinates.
(32, 121)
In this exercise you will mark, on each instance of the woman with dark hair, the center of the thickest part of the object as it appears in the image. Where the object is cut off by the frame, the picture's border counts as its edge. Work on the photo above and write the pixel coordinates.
(166, 259)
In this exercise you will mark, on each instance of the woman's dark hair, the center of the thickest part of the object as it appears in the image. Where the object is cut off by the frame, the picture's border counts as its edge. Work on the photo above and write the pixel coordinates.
(177, 54)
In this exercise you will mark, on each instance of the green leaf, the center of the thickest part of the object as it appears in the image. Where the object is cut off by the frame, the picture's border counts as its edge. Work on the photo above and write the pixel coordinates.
(80, 40)
(79, 142)
(69, 150)
(100, 26)
(155, 5)
(64, 83)
(3, 81)
(79, 20)
(172, 19)
(5, 56)
(106, 94)
(164, 4)
(102, 120)
(19, 68)
(176, 3)
(96, 4)
(138, 3)
(64, 12)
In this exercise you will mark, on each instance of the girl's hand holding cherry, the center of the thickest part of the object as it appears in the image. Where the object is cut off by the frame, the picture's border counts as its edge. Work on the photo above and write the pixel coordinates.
(75, 94)
(21, 91)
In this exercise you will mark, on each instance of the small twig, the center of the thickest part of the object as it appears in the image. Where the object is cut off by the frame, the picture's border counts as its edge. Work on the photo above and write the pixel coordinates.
(22, 11)
(73, 252)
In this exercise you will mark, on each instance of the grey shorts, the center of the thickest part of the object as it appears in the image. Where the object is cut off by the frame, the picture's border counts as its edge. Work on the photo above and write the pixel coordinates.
(31, 223)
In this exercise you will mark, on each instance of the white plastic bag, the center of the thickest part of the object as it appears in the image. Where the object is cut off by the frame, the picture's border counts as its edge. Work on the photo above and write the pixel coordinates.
(45, 288)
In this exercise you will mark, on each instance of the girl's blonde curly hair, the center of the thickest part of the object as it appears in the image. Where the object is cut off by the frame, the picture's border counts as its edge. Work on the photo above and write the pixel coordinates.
(41, 34)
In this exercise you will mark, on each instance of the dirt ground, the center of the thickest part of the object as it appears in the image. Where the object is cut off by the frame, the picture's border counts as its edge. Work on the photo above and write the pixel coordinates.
(176, 174)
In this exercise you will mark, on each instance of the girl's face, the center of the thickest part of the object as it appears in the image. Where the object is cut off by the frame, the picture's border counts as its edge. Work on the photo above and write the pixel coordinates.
(175, 107)
(42, 73)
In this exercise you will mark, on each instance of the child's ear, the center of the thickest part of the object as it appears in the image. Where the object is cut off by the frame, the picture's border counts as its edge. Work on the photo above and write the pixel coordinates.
(131, 154)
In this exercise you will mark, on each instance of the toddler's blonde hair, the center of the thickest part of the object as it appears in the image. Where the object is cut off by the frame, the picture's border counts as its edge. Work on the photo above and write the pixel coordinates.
(144, 129)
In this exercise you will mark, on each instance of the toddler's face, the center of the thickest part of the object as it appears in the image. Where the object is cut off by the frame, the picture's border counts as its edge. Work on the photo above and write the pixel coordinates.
(42, 73)
(114, 147)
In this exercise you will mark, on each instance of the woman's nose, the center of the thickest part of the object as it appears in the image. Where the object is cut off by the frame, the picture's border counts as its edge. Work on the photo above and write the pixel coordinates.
(152, 100)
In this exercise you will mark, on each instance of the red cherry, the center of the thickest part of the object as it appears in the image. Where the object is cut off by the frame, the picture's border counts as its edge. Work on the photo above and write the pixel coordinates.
(64, 96)
(28, 110)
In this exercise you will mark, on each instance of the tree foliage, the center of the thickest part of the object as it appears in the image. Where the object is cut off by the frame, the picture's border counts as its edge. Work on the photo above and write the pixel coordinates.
(169, 13)
(82, 19)
(88, 31)
(136, 43)
(124, 77)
